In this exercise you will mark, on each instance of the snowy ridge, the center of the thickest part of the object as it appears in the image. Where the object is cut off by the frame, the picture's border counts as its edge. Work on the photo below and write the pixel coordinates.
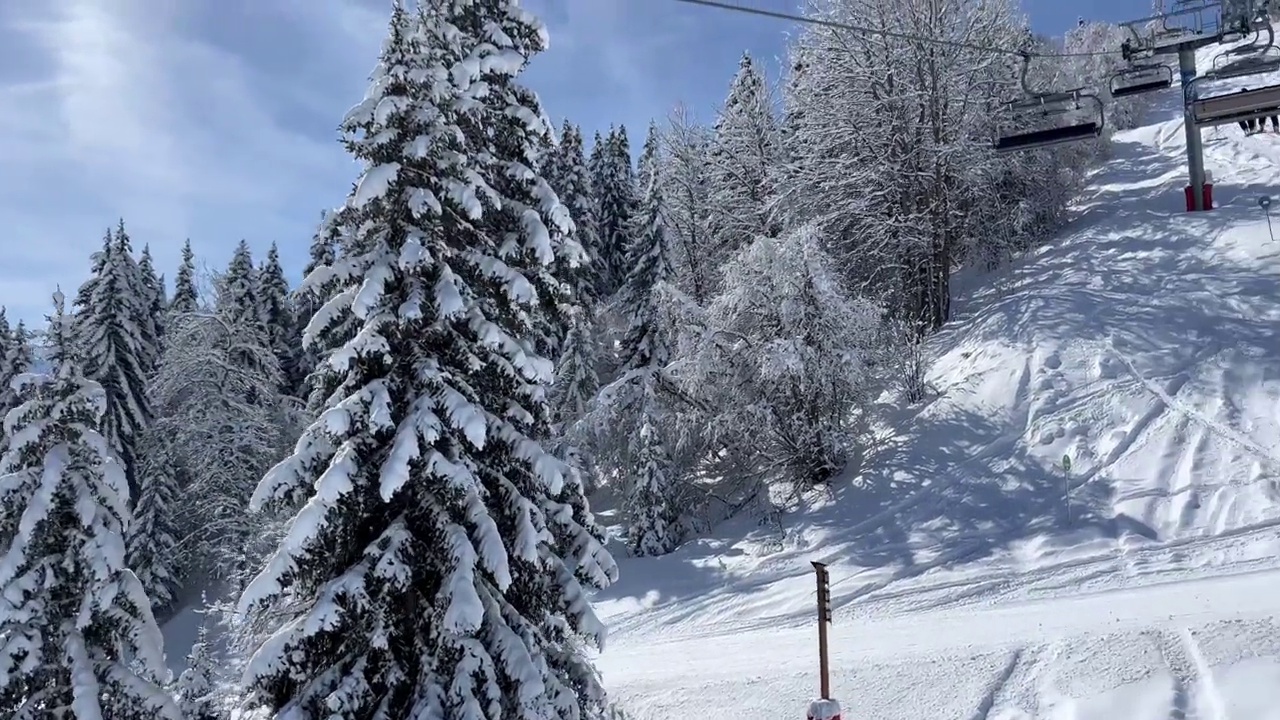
(984, 579)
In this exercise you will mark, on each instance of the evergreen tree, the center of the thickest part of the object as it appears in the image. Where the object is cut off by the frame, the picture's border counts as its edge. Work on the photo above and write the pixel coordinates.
(651, 506)
(18, 359)
(114, 349)
(646, 345)
(152, 539)
(196, 696)
(616, 197)
(185, 297)
(575, 192)
(77, 637)
(313, 293)
(152, 309)
(277, 315)
(441, 561)
(239, 306)
(745, 154)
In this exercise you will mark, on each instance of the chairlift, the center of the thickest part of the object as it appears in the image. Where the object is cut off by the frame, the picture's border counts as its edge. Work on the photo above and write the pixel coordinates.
(1140, 79)
(1255, 44)
(1045, 113)
(1263, 59)
(1234, 107)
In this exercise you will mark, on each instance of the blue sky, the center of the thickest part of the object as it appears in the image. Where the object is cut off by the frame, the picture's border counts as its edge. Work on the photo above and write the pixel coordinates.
(215, 120)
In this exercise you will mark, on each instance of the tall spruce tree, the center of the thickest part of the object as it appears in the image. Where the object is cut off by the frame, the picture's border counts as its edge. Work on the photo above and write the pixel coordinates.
(113, 347)
(186, 299)
(277, 317)
(152, 309)
(441, 560)
(651, 504)
(616, 202)
(77, 637)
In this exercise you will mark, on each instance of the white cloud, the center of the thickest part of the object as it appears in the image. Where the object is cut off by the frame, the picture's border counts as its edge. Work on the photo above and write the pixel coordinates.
(216, 119)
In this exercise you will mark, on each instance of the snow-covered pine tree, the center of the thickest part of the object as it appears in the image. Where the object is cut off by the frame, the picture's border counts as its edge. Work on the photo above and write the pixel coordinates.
(152, 539)
(238, 305)
(277, 317)
(615, 187)
(113, 347)
(744, 154)
(441, 560)
(649, 258)
(312, 293)
(573, 186)
(77, 637)
(196, 689)
(186, 299)
(151, 310)
(651, 506)
(6, 332)
(18, 359)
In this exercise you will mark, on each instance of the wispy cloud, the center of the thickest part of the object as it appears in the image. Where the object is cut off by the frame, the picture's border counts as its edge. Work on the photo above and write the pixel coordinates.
(216, 119)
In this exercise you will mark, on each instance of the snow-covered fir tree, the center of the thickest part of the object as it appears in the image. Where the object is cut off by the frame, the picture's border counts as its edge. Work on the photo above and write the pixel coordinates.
(277, 316)
(651, 507)
(77, 637)
(114, 348)
(439, 564)
(573, 186)
(313, 293)
(152, 308)
(18, 358)
(152, 539)
(614, 182)
(197, 697)
(687, 194)
(186, 298)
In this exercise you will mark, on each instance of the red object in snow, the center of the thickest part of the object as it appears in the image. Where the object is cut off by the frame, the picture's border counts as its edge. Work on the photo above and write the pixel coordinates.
(1206, 197)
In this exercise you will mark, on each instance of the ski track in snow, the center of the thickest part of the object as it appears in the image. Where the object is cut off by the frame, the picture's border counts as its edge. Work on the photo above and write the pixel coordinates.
(993, 584)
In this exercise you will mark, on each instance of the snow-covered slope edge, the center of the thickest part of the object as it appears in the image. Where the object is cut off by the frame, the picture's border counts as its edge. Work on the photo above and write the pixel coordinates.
(1141, 346)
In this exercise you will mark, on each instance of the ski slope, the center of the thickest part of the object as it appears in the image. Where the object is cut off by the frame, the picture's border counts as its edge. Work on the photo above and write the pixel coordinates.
(987, 581)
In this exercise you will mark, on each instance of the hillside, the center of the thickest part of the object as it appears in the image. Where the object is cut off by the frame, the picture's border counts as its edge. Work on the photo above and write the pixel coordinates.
(983, 580)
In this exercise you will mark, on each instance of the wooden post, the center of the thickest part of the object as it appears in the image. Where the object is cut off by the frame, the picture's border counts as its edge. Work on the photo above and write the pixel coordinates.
(824, 617)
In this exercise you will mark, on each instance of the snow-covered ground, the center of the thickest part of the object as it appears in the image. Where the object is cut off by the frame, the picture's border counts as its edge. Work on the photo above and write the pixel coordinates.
(1144, 346)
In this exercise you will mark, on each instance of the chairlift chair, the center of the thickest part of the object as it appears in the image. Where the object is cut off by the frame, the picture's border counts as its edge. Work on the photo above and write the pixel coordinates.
(1045, 112)
(1234, 107)
(1263, 59)
(1140, 79)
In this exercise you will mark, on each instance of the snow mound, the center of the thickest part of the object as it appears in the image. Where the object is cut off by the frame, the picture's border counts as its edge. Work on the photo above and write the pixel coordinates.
(1085, 523)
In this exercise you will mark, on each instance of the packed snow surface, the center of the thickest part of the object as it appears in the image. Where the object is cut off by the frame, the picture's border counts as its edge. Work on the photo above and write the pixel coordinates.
(1083, 524)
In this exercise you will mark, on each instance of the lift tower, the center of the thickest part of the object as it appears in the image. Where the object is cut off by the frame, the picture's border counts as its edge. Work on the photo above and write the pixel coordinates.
(1183, 31)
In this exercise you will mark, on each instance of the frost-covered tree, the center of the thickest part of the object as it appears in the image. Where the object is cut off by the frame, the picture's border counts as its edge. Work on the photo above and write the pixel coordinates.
(438, 565)
(651, 506)
(889, 144)
(646, 345)
(18, 359)
(573, 187)
(277, 316)
(197, 695)
(153, 306)
(785, 360)
(216, 400)
(114, 347)
(186, 298)
(614, 181)
(152, 539)
(77, 637)
(686, 181)
(744, 152)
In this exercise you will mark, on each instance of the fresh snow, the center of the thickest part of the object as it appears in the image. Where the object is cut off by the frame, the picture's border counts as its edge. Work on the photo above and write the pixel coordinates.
(991, 582)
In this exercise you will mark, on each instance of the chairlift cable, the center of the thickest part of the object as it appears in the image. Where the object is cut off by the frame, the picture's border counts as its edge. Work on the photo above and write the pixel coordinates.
(794, 17)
